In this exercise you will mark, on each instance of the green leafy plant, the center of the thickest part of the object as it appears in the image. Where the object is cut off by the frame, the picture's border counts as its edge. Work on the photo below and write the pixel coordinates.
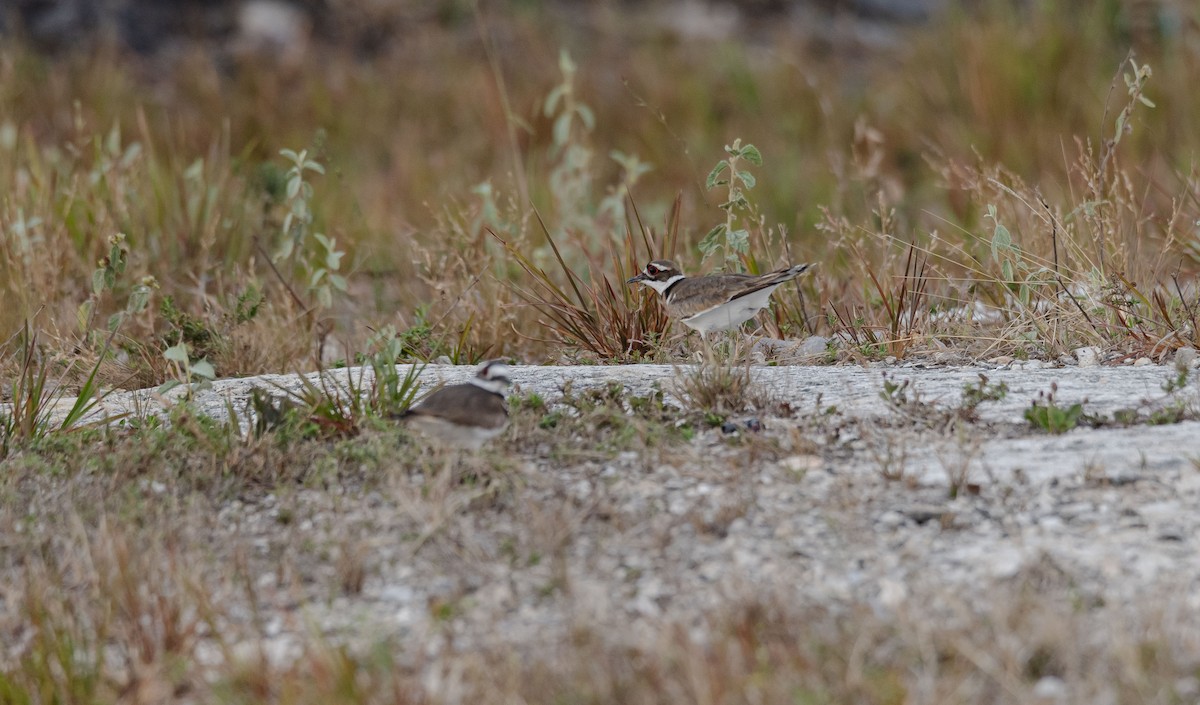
(185, 328)
(571, 283)
(1019, 274)
(1045, 413)
(196, 375)
(570, 178)
(314, 253)
(105, 278)
(904, 398)
(1173, 407)
(607, 419)
(728, 238)
(976, 393)
(429, 339)
(389, 392)
(332, 408)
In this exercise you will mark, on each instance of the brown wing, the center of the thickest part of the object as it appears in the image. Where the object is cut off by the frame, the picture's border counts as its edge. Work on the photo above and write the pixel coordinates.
(463, 404)
(753, 284)
(716, 289)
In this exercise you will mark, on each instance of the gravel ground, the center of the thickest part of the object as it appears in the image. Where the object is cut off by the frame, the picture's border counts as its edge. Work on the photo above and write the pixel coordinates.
(854, 509)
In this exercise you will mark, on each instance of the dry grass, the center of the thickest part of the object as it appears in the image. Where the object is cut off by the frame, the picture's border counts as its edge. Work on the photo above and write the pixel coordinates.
(902, 208)
(990, 188)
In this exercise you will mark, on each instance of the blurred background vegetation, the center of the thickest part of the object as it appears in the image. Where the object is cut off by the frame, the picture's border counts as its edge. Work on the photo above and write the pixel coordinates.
(1033, 160)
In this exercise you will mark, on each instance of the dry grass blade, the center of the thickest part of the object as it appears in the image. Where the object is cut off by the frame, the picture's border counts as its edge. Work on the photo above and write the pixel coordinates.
(902, 307)
(596, 313)
(35, 400)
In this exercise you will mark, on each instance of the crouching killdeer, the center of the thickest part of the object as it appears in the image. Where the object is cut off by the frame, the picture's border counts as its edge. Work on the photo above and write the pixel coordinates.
(465, 415)
(714, 301)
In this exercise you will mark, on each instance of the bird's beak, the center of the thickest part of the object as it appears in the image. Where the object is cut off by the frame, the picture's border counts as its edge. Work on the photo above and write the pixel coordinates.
(639, 278)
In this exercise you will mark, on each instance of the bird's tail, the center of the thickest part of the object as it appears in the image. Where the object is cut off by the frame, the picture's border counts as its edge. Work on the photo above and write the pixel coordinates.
(793, 272)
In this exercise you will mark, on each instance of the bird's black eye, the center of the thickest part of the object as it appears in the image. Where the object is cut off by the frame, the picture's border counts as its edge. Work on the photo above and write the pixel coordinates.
(653, 268)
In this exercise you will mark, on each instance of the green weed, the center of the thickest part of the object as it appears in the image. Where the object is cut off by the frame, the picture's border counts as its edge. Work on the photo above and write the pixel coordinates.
(1047, 414)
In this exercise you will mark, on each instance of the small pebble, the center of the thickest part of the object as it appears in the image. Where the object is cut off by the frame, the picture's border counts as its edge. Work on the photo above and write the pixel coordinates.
(1088, 356)
(1185, 356)
(1050, 688)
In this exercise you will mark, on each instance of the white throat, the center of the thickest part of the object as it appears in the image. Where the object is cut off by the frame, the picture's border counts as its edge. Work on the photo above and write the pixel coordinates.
(661, 287)
(495, 386)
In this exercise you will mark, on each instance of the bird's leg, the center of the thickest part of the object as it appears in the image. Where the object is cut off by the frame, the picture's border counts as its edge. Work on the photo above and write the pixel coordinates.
(707, 354)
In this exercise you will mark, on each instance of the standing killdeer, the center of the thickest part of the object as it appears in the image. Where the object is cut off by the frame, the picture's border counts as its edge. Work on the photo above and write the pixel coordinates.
(714, 301)
(466, 415)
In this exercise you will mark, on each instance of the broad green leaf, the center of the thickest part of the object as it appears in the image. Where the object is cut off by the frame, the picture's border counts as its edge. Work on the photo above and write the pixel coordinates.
(738, 241)
(633, 167)
(751, 154)
(747, 178)
(168, 386)
(587, 116)
(712, 240)
(562, 128)
(289, 155)
(1146, 101)
(551, 103)
(338, 282)
(314, 166)
(114, 321)
(113, 142)
(139, 296)
(203, 368)
(1006, 271)
(285, 249)
(195, 170)
(98, 278)
(1001, 241)
(713, 176)
(293, 186)
(133, 151)
(565, 64)
(177, 353)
